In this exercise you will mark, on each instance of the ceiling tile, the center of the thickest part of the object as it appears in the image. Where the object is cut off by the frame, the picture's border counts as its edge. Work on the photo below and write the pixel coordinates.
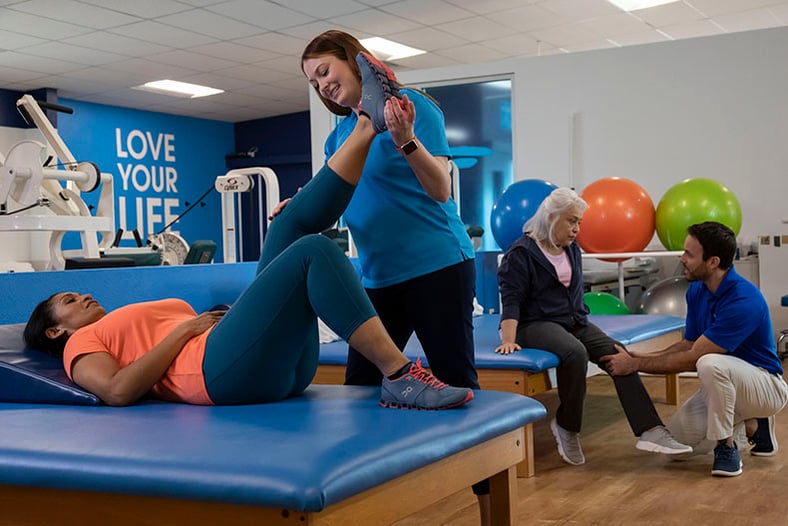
(10, 74)
(37, 26)
(141, 8)
(76, 54)
(719, 7)
(163, 34)
(261, 13)
(77, 13)
(275, 43)
(130, 47)
(192, 61)
(232, 51)
(700, 28)
(668, 14)
(427, 12)
(577, 10)
(526, 18)
(212, 24)
(427, 38)
(43, 65)
(374, 22)
(490, 6)
(747, 20)
(475, 52)
(477, 29)
(327, 9)
(12, 41)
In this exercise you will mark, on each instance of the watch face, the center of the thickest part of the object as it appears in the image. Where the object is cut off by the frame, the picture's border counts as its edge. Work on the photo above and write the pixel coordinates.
(409, 147)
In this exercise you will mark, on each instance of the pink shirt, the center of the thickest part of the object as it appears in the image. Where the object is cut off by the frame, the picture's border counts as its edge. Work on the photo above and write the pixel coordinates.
(561, 265)
(129, 332)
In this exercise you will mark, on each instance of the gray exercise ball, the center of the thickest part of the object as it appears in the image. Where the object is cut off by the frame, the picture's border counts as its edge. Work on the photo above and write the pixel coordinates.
(665, 297)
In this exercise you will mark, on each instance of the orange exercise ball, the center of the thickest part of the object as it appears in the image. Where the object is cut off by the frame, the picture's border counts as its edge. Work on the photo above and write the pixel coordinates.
(619, 218)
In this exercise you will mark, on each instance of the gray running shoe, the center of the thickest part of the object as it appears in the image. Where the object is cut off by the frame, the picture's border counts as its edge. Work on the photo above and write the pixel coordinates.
(378, 84)
(659, 440)
(418, 389)
(568, 444)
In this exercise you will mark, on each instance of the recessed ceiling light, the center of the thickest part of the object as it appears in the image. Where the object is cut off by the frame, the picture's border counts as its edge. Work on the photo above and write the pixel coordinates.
(389, 50)
(182, 89)
(634, 5)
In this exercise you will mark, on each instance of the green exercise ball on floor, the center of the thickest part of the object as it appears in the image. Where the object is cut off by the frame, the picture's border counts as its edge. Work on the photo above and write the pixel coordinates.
(695, 201)
(604, 303)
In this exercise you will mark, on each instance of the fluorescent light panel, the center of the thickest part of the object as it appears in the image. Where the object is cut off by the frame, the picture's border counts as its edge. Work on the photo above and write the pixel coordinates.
(390, 50)
(634, 5)
(173, 87)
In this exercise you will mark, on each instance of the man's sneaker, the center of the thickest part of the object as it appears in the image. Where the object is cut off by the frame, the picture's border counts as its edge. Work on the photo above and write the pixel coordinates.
(418, 389)
(764, 442)
(568, 444)
(659, 440)
(378, 84)
(727, 461)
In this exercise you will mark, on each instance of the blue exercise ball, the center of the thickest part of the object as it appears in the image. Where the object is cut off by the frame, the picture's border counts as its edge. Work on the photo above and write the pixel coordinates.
(665, 297)
(516, 205)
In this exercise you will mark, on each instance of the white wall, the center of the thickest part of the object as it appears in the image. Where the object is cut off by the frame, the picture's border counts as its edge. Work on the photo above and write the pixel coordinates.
(713, 107)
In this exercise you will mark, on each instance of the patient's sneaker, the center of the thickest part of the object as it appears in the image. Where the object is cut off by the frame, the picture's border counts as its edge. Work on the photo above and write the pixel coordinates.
(659, 440)
(727, 461)
(764, 442)
(568, 444)
(418, 389)
(378, 84)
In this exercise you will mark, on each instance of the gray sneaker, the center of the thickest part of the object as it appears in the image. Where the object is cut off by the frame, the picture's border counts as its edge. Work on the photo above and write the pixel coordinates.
(659, 440)
(568, 444)
(418, 389)
(378, 84)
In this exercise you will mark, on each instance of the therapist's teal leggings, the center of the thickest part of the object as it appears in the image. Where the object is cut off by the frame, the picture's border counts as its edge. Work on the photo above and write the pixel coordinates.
(266, 347)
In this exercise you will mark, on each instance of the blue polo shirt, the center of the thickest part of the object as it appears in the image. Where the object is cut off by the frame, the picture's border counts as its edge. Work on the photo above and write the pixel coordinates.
(736, 318)
(400, 232)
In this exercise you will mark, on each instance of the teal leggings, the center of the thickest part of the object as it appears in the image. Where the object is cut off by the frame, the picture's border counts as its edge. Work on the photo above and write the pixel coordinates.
(266, 347)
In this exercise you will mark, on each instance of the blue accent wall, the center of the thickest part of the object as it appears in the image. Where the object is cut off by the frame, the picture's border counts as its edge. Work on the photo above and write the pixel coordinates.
(160, 163)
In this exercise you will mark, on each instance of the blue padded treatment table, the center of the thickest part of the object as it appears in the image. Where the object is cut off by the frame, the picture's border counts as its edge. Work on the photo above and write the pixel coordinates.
(526, 372)
(329, 456)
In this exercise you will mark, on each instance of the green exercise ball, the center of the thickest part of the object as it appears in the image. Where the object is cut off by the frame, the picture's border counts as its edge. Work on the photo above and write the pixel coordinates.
(695, 201)
(604, 303)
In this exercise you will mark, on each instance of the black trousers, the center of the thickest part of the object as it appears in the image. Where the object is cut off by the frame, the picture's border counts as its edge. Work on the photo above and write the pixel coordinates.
(438, 307)
(574, 349)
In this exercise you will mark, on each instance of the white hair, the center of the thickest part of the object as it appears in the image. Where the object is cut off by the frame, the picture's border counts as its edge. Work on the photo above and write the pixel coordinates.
(560, 201)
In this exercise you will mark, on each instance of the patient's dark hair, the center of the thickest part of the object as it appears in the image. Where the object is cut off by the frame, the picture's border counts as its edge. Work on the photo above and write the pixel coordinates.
(35, 335)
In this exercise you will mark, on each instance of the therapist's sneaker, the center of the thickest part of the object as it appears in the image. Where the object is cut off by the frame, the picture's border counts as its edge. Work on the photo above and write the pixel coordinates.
(378, 84)
(418, 389)
(727, 461)
(568, 444)
(764, 442)
(659, 440)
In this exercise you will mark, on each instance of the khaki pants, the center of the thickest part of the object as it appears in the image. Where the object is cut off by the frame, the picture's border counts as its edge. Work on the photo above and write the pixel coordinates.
(731, 391)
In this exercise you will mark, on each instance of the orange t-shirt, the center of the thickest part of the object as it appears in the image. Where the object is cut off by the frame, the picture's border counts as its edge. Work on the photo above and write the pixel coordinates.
(129, 332)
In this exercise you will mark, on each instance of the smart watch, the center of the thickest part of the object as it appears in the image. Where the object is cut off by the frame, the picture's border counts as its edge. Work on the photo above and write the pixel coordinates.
(409, 147)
